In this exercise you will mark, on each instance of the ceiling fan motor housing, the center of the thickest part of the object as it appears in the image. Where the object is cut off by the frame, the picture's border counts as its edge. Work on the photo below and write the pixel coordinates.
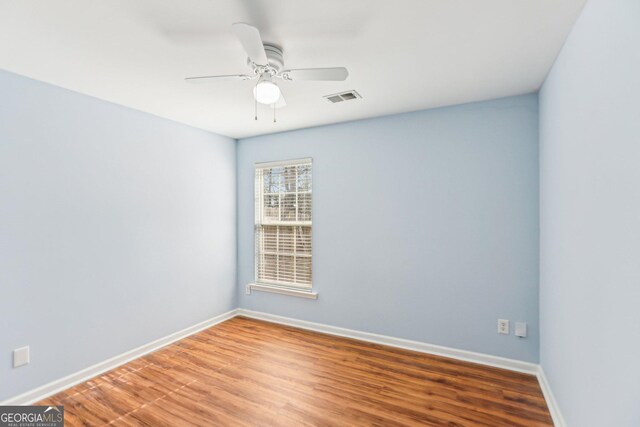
(275, 58)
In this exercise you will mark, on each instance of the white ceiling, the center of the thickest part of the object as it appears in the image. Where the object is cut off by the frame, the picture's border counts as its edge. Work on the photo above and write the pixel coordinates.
(402, 55)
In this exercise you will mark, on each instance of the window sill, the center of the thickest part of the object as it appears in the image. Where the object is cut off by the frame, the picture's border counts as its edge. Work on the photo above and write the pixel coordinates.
(281, 290)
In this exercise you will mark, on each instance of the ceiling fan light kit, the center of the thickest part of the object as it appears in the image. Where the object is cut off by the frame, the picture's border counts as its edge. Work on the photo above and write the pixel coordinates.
(266, 91)
(267, 62)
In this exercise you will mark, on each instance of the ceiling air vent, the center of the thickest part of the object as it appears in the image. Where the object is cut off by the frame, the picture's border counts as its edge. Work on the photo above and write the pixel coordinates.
(344, 96)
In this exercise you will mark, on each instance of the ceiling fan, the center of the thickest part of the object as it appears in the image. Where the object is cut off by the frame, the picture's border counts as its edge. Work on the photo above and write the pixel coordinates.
(266, 61)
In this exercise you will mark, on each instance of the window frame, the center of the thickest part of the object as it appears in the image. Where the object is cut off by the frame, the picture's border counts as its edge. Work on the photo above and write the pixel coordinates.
(260, 223)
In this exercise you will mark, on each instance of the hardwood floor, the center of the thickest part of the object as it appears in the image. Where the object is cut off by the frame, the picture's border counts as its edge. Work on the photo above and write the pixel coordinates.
(246, 372)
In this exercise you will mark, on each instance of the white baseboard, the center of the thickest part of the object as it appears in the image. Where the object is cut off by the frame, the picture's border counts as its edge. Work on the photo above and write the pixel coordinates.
(86, 374)
(552, 403)
(467, 356)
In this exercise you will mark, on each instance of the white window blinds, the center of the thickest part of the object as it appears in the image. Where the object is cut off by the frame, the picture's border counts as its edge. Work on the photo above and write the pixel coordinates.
(283, 224)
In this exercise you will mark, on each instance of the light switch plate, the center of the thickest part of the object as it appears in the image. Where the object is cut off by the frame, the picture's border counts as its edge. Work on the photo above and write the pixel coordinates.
(21, 356)
(521, 329)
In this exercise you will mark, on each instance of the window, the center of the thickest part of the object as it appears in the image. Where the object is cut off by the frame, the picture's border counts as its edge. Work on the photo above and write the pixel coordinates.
(283, 223)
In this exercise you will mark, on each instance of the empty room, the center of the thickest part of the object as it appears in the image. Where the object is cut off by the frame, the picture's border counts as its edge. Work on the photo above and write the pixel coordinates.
(320, 213)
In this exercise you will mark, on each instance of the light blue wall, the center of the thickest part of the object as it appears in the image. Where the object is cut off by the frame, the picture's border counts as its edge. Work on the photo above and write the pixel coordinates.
(425, 224)
(116, 228)
(590, 218)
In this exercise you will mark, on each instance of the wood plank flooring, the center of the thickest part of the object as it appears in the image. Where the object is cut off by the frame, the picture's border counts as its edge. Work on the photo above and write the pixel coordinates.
(245, 372)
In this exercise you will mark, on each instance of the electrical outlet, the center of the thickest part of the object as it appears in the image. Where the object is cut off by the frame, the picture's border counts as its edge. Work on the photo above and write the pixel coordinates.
(20, 356)
(247, 289)
(503, 326)
(521, 329)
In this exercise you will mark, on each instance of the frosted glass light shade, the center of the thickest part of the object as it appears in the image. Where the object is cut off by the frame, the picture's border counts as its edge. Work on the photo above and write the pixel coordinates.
(266, 92)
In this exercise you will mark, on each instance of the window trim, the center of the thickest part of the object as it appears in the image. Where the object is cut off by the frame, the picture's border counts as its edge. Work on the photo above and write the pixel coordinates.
(277, 163)
(283, 290)
(288, 288)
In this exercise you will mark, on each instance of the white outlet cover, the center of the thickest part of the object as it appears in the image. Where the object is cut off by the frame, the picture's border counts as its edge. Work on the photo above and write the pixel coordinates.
(503, 326)
(21, 356)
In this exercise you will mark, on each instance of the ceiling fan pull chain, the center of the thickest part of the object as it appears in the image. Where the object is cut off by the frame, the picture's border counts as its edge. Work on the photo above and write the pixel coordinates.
(274, 112)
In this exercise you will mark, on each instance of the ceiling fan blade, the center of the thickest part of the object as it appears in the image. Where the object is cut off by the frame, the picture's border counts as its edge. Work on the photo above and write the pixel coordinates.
(252, 42)
(211, 79)
(317, 74)
(281, 102)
